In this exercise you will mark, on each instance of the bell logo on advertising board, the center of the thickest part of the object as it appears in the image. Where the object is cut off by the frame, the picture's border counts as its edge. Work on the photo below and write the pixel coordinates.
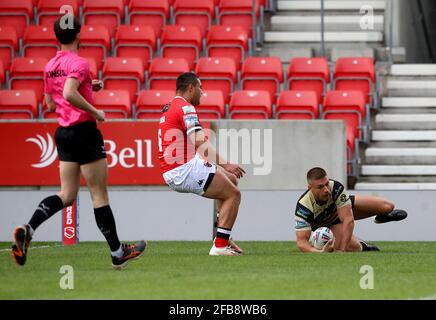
(48, 150)
(32, 158)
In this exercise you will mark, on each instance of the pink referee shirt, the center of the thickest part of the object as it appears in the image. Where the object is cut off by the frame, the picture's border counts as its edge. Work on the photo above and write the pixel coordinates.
(67, 64)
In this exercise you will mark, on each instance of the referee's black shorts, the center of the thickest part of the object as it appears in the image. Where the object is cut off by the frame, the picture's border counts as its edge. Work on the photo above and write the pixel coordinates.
(81, 143)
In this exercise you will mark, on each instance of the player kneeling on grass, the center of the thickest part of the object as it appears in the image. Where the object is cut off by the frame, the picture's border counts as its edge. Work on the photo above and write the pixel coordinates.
(184, 151)
(326, 204)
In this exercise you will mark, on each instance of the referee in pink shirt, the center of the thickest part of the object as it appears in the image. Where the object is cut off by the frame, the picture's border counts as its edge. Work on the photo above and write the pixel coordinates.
(80, 146)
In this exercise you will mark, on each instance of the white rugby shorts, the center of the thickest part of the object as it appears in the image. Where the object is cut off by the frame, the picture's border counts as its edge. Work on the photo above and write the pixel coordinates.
(191, 177)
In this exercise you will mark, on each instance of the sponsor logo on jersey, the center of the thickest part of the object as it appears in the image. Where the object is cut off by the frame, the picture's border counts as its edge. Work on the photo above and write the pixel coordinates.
(188, 109)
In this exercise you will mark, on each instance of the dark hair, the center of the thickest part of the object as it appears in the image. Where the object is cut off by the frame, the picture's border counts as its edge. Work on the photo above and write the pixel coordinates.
(184, 80)
(64, 34)
(316, 173)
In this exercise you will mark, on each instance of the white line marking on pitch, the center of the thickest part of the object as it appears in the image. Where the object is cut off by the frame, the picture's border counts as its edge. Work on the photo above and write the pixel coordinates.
(40, 247)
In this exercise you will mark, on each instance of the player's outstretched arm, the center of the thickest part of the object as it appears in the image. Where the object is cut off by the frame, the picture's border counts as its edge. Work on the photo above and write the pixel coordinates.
(345, 214)
(72, 95)
(303, 244)
(207, 151)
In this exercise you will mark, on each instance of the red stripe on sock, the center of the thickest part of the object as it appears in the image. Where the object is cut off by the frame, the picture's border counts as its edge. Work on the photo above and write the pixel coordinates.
(221, 242)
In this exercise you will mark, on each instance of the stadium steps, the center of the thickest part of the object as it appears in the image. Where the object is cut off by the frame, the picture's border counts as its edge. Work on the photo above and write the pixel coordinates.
(402, 152)
(296, 24)
(331, 23)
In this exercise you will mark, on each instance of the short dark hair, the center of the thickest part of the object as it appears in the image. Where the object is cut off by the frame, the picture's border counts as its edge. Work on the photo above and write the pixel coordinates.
(66, 35)
(316, 173)
(185, 79)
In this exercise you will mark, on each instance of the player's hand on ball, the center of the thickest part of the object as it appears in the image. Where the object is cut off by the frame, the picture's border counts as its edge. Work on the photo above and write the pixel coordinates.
(328, 247)
(235, 169)
(100, 115)
(97, 85)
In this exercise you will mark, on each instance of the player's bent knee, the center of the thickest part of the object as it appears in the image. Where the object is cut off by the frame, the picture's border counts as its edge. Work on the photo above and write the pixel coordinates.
(66, 199)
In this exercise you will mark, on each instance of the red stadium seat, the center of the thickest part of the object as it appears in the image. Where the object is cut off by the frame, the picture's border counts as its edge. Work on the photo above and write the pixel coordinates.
(348, 106)
(8, 45)
(150, 103)
(307, 74)
(150, 13)
(238, 13)
(182, 42)
(94, 43)
(199, 13)
(2, 74)
(40, 41)
(135, 42)
(16, 14)
(262, 73)
(28, 74)
(47, 114)
(108, 13)
(93, 68)
(115, 103)
(229, 42)
(124, 74)
(355, 74)
(48, 10)
(297, 105)
(247, 104)
(18, 104)
(164, 72)
(217, 74)
(212, 105)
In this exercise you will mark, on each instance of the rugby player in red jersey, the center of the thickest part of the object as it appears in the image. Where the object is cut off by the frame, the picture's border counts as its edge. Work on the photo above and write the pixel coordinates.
(184, 151)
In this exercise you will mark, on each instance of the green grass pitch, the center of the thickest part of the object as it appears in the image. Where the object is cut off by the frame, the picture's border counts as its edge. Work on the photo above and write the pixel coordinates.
(183, 270)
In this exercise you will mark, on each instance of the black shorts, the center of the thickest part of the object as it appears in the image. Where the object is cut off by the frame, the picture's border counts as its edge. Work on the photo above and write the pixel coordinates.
(337, 220)
(81, 143)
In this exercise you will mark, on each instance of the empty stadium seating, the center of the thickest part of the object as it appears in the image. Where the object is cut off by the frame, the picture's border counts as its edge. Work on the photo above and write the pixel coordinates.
(124, 74)
(297, 105)
(355, 74)
(40, 41)
(8, 45)
(95, 43)
(108, 13)
(115, 103)
(150, 13)
(18, 104)
(48, 10)
(239, 13)
(230, 42)
(16, 14)
(199, 13)
(211, 106)
(2, 74)
(27, 74)
(262, 73)
(217, 74)
(309, 74)
(182, 42)
(164, 72)
(150, 103)
(348, 106)
(134, 45)
(246, 104)
(135, 42)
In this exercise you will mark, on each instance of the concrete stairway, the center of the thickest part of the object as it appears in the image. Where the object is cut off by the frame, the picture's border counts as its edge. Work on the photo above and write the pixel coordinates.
(295, 29)
(402, 153)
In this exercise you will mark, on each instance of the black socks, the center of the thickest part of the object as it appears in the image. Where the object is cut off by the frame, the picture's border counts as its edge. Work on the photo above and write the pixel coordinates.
(48, 207)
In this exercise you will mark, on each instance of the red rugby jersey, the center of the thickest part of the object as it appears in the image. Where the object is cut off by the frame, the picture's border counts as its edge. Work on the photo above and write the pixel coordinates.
(179, 119)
